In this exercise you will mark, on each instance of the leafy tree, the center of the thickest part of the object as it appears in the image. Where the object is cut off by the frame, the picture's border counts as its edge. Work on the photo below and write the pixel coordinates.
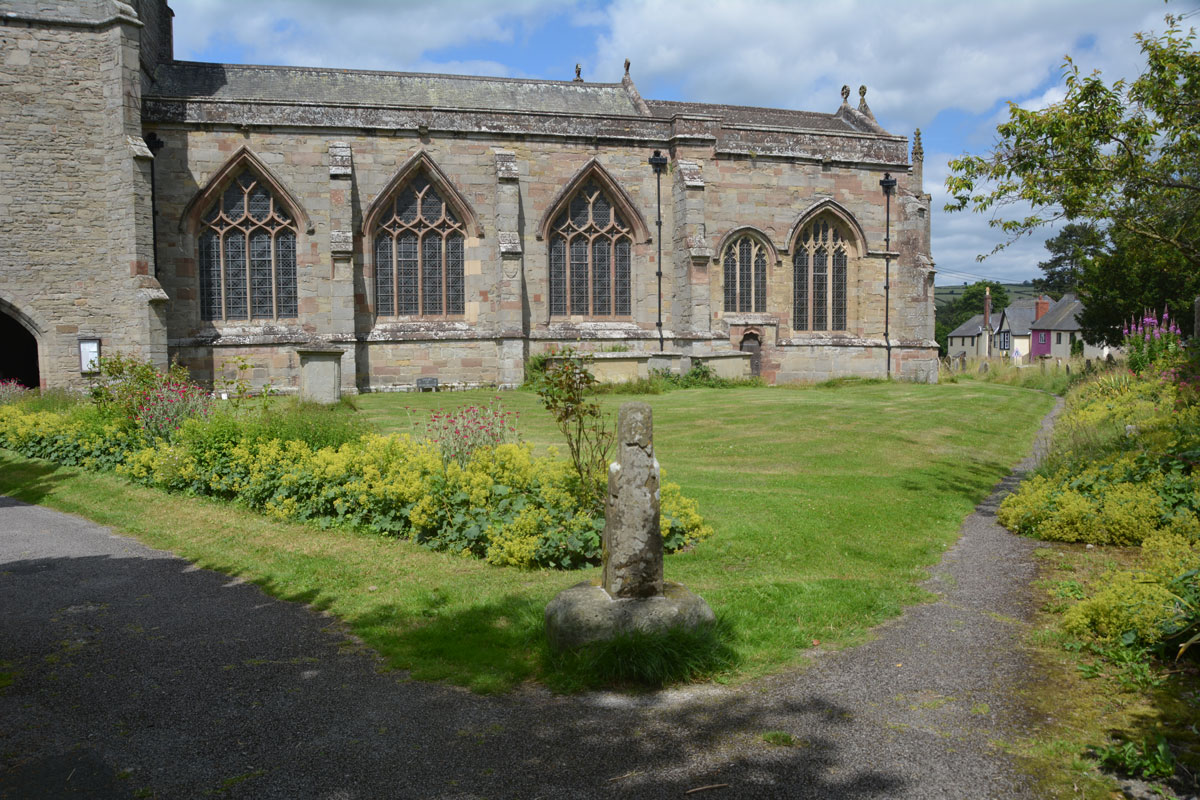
(971, 301)
(1123, 156)
(1133, 276)
(1075, 246)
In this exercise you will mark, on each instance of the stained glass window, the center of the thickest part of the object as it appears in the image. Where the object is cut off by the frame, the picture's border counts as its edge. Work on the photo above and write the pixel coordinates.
(745, 275)
(247, 255)
(420, 255)
(819, 275)
(591, 258)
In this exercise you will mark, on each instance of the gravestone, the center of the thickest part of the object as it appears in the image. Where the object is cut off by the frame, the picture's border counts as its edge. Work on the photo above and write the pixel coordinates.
(631, 594)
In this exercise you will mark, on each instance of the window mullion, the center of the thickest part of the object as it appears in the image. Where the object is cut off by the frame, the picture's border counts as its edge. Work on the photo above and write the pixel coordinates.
(420, 266)
(445, 276)
(395, 259)
(274, 278)
(221, 272)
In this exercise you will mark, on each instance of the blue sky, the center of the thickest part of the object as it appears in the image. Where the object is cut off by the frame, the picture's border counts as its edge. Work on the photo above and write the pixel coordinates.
(949, 68)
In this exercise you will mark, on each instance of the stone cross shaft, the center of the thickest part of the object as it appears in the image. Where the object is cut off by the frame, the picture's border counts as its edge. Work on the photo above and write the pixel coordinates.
(633, 550)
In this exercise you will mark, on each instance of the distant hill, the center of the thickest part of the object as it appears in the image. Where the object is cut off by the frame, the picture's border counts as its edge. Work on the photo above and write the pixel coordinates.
(948, 294)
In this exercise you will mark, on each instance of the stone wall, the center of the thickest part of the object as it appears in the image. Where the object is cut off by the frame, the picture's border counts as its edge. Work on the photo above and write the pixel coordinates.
(507, 261)
(74, 192)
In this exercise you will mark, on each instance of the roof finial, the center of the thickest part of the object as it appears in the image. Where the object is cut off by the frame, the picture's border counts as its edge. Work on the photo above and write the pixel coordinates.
(578, 73)
(862, 102)
(627, 68)
(845, 94)
(918, 151)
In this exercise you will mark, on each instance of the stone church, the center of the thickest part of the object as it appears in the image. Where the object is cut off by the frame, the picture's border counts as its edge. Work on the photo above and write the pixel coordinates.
(443, 226)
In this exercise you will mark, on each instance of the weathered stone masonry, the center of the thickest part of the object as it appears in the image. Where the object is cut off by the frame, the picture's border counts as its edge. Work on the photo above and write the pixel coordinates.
(336, 147)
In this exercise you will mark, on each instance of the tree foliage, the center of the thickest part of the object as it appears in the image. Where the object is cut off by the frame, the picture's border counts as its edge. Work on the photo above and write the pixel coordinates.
(1072, 251)
(1123, 155)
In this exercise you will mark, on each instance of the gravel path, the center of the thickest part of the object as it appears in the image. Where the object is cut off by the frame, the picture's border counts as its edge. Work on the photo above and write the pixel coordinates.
(134, 674)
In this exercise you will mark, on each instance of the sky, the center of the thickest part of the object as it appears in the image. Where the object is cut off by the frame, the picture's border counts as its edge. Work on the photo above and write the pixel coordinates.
(948, 68)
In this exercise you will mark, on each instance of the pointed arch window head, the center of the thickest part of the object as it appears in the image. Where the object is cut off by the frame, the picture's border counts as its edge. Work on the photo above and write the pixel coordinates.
(247, 260)
(745, 274)
(591, 255)
(419, 254)
(819, 274)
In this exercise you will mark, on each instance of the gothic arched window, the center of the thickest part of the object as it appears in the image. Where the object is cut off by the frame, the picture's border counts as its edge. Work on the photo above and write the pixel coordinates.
(819, 278)
(745, 274)
(419, 245)
(591, 250)
(247, 255)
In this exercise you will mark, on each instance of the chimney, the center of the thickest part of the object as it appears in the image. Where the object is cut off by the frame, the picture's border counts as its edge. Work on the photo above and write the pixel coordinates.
(1040, 307)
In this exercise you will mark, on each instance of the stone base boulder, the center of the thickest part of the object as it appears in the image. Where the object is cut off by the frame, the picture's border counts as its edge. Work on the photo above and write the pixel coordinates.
(586, 613)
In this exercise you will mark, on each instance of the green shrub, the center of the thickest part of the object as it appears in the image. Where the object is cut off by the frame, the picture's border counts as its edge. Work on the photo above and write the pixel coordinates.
(57, 400)
(1150, 760)
(315, 424)
(1128, 606)
(564, 389)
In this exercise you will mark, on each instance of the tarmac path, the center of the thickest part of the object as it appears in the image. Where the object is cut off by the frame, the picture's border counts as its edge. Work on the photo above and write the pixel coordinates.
(132, 673)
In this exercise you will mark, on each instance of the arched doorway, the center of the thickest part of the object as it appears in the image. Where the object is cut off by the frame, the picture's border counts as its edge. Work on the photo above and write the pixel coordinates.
(18, 353)
(752, 345)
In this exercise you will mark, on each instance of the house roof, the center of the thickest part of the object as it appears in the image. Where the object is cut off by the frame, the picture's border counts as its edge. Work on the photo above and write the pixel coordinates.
(1019, 317)
(323, 86)
(1062, 316)
(974, 326)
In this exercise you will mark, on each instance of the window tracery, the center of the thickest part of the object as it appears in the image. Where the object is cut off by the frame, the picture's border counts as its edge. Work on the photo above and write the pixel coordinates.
(745, 274)
(819, 275)
(591, 254)
(419, 255)
(247, 255)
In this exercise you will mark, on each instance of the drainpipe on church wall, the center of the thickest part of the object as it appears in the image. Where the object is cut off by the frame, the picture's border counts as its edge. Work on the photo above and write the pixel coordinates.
(154, 144)
(658, 161)
(888, 183)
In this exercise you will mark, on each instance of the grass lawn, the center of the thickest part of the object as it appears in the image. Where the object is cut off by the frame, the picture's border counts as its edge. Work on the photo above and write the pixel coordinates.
(828, 504)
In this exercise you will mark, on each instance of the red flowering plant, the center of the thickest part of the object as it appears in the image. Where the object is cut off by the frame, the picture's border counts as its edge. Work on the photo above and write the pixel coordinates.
(161, 410)
(459, 433)
(12, 390)
(157, 403)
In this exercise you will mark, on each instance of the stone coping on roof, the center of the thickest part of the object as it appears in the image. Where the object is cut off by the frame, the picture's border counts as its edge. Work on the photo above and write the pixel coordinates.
(186, 91)
(754, 117)
(238, 82)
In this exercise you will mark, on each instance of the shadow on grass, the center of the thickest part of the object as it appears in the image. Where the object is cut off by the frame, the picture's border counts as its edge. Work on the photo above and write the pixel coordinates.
(183, 682)
(495, 646)
(28, 480)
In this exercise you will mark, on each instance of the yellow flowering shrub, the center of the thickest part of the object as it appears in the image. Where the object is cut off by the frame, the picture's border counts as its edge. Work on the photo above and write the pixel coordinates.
(1128, 603)
(503, 504)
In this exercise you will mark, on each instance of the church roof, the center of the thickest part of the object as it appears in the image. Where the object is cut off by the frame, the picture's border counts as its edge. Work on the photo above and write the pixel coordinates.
(750, 115)
(323, 86)
(349, 87)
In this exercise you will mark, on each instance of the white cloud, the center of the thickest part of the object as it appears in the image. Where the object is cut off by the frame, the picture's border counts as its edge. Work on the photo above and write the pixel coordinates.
(917, 59)
(357, 34)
